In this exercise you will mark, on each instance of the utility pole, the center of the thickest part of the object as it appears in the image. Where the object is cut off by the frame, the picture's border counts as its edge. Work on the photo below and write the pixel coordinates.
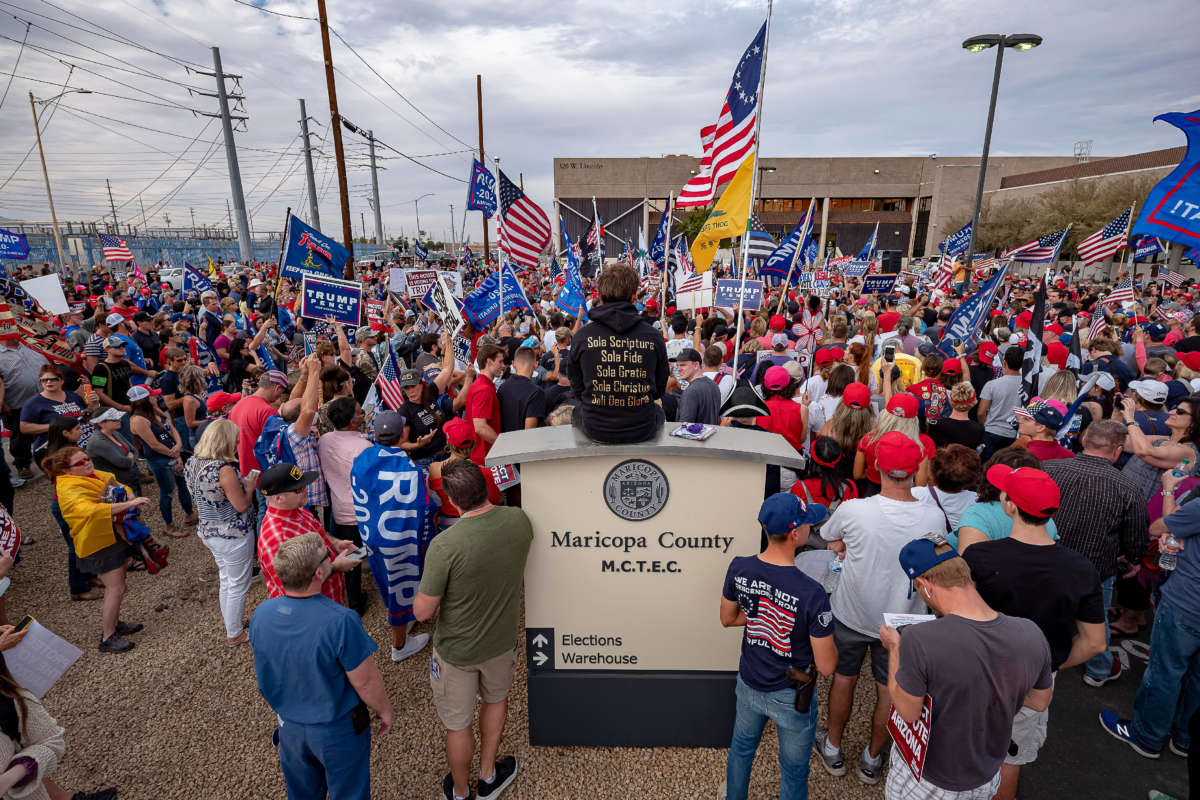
(192, 211)
(452, 229)
(111, 204)
(62, 262)
(521, 176)
(375, 191)
(335, 123)
(308, 169)
(363, 219)
(228, 216)
(479, 104)
(245, 246)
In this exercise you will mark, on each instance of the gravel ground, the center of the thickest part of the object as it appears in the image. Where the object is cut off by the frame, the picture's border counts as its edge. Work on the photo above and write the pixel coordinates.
(180, 715)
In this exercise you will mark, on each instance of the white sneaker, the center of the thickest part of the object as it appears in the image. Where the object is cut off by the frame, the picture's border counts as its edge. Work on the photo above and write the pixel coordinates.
(411, 647)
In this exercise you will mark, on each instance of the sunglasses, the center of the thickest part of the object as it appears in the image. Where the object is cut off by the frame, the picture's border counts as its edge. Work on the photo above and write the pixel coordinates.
(50, 379)
(1183, 412)
(85, 460)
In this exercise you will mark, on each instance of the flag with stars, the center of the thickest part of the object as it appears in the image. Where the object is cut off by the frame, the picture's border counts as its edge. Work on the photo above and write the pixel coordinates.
(731, 140)
(868, 249)
(1121, 293)
(525, 231)
(1042, 250)
(761, 243)
(1106, 241)
(114, 248)
(660, 245)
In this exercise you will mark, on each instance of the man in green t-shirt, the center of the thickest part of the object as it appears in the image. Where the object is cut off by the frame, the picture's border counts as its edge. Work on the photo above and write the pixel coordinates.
(473, 573)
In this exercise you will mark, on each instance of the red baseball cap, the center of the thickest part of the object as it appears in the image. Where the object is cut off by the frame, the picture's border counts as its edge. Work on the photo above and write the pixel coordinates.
(1024, 319)
(651, 304)
(857, 395)
(1056, 354)
(897, 455)
(952, 366)
(459, 432)
(218, 400)
(776, 378)
(988, 351)
(1054, 328)
(1190, 360)
(1032, 490)
(903, 405)
(829, 355)
(778, 323)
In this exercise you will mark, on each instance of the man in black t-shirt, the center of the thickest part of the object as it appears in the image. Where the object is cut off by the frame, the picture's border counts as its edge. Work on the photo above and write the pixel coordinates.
(110, 378)
(1029, 575)
(522, 402)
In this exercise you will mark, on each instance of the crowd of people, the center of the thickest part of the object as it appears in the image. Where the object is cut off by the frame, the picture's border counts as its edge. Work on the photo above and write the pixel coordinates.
(1033, 526)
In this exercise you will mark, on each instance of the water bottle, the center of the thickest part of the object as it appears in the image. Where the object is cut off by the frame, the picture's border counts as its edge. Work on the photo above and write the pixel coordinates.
(832, 575)
(1168, 547)
(1183, 470)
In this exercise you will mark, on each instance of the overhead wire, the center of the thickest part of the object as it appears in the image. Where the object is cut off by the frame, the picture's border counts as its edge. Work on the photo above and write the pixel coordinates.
(165, 171)
(169, 104)
(49, 51)
(43, 123)
(16, 64)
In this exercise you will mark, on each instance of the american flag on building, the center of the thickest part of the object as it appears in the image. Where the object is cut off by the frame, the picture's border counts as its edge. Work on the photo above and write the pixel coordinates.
(114, 249)
(1041, 250)
(1106, 241)
(773, 625)
(1172, 277)
(525, 228)
(731, 140)
(1122, 293)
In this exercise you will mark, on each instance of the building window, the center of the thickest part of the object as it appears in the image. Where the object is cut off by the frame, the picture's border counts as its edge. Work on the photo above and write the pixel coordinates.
(925, 204)
(895, 204)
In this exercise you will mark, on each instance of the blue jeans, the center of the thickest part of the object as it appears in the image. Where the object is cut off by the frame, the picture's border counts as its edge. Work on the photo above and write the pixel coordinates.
(795, 731)
(328, 758)
(260, 510)
(1100, 666)
(76, 579)
(168, 481)
(1170, 690)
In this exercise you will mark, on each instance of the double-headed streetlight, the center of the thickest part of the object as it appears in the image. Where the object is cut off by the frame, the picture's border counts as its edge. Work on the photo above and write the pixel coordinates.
(33, 104)
(1017, 41)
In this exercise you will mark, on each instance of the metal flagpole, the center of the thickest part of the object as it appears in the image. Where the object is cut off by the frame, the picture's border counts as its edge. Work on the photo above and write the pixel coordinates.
(762, 84)
(599, 237)
(795, 254)
(670, 212)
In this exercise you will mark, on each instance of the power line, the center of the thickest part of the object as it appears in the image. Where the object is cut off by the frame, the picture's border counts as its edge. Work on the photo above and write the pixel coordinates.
(49, 51)
(15, 65)
(43, 123)
(168, 104)
(276, 13)
(180, 61)
(168, 169)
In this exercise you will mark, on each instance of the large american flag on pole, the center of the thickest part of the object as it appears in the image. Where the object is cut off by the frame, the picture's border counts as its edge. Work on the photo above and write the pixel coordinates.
(114, 249)
(388, 382)
(1123, 293)
(731, 139)
(1106, 241)
(525, 231)
(1041, 250)
(1172, 277)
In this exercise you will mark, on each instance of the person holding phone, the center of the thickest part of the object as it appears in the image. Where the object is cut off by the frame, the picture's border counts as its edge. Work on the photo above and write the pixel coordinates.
(224, 501)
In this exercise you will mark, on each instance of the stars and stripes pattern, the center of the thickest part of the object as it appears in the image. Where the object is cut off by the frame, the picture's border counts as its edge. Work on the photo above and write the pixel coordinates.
(772, 624)
(693, 283)
(388, 383)
(1121, 293)
(761, 243)
(525, 228)
(1106, 241)
(731, 140)
(1098, 324)
(114, 249)
(1041, 250)
(945, 274)
(1172, 277)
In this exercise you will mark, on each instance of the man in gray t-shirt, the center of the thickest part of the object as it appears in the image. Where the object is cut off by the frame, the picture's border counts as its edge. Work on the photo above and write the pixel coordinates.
(701, 400)
(996, 403)
(976, 666)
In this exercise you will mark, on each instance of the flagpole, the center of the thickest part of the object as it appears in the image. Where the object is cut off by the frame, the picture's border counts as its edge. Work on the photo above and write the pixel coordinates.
(662, 276)
(795, 253)
(599, 237)
(762, 85)
(287, 230)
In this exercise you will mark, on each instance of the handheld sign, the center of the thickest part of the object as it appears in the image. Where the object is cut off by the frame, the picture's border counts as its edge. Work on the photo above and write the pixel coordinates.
(442, 302)
(878, 284)
(912, 740)
(419, 281)
(728, 291)
(13, 245)
(322, 297)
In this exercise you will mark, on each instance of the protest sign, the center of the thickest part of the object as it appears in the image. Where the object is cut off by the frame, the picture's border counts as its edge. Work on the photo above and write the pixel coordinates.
(700, 297)
(912, 740)
(374, 310)
(398, 280)
(453, 280)
(322, 297)
(878, 284)
(856, 269)
(13, 245)
(462, 351)
(47, 290)
(728, 291)
(442, 302)
(419, 281)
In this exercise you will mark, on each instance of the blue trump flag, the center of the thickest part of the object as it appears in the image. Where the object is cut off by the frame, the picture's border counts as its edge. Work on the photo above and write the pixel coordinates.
(1145, 246)
(420, 251)
(13, 245)
(780, 262)
(309, 250)
(482, 306)
(956, 244)
(869, 248)
(394, 513)
(1172, 209)
(195, 281)
(481, 190)
(971, 314)
(660, 245)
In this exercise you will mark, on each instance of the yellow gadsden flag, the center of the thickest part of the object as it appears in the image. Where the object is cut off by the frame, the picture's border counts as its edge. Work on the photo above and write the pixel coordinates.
(727, 220)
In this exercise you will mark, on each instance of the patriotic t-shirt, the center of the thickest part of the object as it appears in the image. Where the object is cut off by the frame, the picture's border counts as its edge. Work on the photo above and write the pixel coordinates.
(783, 607)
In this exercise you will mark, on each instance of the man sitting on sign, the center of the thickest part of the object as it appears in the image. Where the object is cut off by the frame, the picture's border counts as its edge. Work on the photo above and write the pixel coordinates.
(618, 365)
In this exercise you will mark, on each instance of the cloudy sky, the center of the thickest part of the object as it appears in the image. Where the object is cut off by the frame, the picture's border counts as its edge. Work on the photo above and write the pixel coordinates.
(621, 78)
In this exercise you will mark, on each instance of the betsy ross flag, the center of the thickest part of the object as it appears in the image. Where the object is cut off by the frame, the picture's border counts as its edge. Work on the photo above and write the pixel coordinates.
(1041, 250)
(525, 231)
(1123, 293)
(1172, 277)
(114, 249)
(731, 140)
(761, 243)
(1106, 241)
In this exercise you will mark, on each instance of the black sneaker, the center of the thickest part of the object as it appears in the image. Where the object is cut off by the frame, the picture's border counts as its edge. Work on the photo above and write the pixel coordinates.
(506, 770)
(126, 628)
(115, 644)
(448, 788)
(103, 794)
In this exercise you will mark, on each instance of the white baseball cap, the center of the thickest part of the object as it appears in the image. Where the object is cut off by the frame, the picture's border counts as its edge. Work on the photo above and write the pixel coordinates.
(114, 319)
(1150, 390)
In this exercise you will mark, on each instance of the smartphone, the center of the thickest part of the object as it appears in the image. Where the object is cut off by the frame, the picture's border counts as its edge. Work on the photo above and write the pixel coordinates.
(957, 342)
(359, 554)
(889, 353)
(25, 622)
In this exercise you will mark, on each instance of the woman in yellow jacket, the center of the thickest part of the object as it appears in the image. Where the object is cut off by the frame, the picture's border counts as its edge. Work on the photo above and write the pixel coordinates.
(81, 496)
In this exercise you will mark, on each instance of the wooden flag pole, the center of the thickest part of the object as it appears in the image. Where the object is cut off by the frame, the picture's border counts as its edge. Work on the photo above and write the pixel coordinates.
(795, 255)
(482, 160)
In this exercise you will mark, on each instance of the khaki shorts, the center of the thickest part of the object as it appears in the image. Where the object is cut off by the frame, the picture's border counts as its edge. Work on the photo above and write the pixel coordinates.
(454, 688)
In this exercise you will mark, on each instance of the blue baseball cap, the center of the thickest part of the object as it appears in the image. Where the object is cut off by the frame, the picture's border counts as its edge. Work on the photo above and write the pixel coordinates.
(919, 556)
(781, 513)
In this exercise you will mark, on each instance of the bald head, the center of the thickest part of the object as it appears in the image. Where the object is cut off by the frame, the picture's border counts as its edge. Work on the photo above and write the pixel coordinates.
(290, 411)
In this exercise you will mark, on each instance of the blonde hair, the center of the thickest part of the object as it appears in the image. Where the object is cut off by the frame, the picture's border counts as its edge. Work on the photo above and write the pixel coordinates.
(849, 425)
(887, 422)
(948, 574)
(297, 560)
(219, 441)
(962, 396)
(1061, 387)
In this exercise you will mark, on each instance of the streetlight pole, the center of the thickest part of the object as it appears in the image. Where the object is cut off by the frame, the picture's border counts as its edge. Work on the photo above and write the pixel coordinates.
(1019, 41)
(417, 211)
(761, 171)
(62, 261)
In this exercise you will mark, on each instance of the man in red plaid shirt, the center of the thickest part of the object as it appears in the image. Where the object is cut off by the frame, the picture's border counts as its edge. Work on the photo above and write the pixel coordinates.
(286, 490)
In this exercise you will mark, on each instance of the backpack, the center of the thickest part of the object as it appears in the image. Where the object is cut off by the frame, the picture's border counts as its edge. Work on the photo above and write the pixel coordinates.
(272, 446)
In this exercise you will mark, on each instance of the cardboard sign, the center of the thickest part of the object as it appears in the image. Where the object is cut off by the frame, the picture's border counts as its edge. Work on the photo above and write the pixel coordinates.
(322, 298)
(419, 281)
(47, 290)
(912, 740)
(374, 310)
(506, 476)
(442, 302)
(878, 284)
(728, 291)
(453, 281)
(398, 280)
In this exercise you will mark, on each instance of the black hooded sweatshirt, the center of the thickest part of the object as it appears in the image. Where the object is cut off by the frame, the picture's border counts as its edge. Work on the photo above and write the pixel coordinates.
(618, 368)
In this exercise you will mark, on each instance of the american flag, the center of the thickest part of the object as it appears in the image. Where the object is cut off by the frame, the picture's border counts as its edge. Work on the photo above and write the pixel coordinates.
(772, 624)
(595, 236)
(1041, 250)
(388, 382)
(693, 283)
(1123, 293)
(945, 274)
(1098, 323)
(761, 243)
(525, 231)
(1172, 277)
(1106, 241)
(731, 139)
(114, 249)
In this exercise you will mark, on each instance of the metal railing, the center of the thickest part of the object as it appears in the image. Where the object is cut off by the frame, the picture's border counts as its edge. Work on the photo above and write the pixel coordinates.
(72, 228)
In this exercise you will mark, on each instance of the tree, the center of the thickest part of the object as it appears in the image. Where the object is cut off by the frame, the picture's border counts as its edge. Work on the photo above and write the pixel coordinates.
(691, 223)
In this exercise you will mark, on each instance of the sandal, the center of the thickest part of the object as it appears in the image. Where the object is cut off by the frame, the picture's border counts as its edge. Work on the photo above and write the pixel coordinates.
(241, 638)
(169, 531)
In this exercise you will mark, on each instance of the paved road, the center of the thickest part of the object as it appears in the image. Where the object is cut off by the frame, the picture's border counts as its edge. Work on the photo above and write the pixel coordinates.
(1081, 760)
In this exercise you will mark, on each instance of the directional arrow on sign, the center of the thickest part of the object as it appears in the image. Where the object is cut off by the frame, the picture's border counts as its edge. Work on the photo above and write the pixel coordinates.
(539, 658)
(540, 640)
